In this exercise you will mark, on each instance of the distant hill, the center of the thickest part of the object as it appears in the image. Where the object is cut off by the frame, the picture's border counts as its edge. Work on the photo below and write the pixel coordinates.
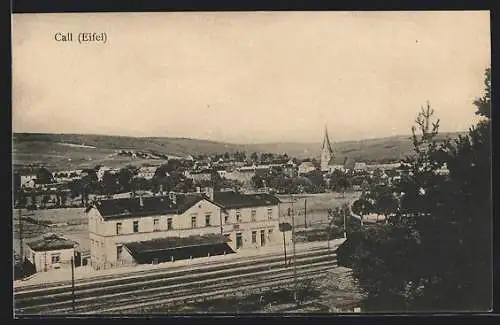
(61, 151)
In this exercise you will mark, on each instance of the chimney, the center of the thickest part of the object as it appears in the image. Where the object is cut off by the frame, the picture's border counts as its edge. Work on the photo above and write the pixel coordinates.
(172, 197)
(141, 203)
(209, 192)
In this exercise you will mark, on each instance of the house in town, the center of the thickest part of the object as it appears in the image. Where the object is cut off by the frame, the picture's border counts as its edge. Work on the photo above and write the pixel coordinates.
(50, 252)
(200, 176)
(27, 179)
(443, 170)
(306, 167)
(244, 177)
(100, 172)
(360, 167)
(177, 226)
(332, 168)
(146, 172)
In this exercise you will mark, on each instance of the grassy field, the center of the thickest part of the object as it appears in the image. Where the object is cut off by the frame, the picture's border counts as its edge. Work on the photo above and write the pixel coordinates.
(70, 222)
(316, 207)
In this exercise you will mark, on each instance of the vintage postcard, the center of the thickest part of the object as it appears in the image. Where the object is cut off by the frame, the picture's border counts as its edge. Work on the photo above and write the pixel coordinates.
(251, 162)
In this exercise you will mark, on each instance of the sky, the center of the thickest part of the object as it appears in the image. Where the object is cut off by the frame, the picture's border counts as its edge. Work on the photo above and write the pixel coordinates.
(248, 77)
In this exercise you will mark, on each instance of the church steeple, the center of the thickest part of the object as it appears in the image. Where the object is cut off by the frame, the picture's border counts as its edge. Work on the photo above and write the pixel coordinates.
(326, 141)
(326, 152)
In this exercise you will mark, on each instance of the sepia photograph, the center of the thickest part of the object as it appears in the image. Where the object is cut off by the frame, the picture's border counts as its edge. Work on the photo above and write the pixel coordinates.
(251, 162)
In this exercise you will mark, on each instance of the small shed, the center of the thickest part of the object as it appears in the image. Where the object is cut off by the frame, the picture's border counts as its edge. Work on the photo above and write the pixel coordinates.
(50, 252)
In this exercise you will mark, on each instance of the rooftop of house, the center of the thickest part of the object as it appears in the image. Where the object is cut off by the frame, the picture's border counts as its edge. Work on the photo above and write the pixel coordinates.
(360, 165)
(51, 242)
(146, 206)
(204, 171)
(147, 169)
(238, 200)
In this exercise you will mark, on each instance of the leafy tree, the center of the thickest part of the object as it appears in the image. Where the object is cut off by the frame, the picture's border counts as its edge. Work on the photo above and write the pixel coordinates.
(339, 182)
(22, 199)
(338, 215)
(239, 156)
(362, 207)
(257, 181)
(254, 157)
(385, 202)
(317, 181)
(435, 253)
(64, 198)
(44, 176)
(140, 184)
(110, 183)
(90, 175)
(483, 104)
(125, 176)
(17, 181)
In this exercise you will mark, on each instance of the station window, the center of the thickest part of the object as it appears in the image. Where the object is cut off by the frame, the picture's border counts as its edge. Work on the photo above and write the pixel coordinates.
(118, 228)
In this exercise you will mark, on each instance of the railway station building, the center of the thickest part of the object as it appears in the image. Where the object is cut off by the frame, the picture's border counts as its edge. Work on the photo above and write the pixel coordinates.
(158, 229)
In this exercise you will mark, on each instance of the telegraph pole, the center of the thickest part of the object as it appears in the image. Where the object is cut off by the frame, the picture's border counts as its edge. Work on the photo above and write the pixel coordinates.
(282, 230)
(73, 282)
(305, 213)
(294, 257)
(284, 241)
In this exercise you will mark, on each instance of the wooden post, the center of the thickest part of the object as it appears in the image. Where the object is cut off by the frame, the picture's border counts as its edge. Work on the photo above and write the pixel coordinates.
(284, 242)
(21, 248)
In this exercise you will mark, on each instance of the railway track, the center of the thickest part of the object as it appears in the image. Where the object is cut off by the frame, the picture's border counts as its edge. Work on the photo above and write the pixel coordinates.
(62, 286)
(224, 291)
(172, 287)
